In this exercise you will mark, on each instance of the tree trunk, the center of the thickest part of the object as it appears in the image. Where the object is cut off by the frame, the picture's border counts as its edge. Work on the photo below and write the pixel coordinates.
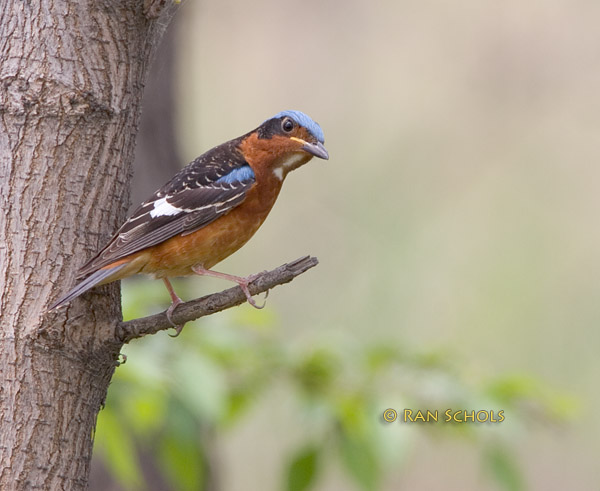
(71, 81)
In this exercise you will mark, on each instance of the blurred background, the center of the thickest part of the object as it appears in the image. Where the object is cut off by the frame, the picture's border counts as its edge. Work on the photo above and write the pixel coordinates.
(455, 224)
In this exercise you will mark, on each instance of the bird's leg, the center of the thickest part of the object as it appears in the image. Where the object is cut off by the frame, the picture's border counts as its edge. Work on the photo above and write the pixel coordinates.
(241, 281)
(175, 301)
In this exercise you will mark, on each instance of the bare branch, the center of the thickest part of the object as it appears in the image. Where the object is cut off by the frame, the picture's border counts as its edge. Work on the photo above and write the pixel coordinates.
(189, 311)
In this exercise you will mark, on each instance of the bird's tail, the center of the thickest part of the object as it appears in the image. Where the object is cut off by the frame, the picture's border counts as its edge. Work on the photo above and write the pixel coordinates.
(85, 285)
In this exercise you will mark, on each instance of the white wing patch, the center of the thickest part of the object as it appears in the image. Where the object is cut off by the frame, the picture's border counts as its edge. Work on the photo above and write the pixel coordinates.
(163, 208)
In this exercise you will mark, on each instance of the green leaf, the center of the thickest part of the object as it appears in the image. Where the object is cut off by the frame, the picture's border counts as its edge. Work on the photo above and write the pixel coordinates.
(360, 461)
(117, 448)
(200, 385)
(182, 461)
(316, 372)
(146, 410)
(504, 468)
(303, 469)
(237, 404)
(511, 389)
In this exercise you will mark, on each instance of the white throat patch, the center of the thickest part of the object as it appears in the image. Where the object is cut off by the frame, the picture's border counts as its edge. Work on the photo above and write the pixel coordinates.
(290, 162)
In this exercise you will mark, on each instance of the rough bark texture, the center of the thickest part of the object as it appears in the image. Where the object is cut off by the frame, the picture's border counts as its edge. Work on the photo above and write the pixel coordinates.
(71, 81)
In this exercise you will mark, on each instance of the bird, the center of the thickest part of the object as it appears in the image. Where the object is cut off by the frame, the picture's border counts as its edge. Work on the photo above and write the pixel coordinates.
(207, 211)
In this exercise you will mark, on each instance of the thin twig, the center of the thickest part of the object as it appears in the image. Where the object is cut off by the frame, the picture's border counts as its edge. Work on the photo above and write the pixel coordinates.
(189, 311)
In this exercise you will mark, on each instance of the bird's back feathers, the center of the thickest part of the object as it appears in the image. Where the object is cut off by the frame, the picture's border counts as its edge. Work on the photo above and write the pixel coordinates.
(209, 187)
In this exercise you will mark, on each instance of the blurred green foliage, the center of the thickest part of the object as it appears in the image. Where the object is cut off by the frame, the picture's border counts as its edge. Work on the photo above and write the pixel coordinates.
(458, 209)
(174, 398)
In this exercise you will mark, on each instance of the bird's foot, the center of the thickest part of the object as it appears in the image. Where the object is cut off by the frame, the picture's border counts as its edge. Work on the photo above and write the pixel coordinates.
(241, 281)
(170, 310)
(244, 282)
(175, 301)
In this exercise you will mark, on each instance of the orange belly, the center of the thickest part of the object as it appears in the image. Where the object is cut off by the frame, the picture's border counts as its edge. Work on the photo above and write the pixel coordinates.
(205, 247)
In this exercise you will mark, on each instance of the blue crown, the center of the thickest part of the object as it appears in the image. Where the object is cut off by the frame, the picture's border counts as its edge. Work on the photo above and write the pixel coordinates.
(303, 120)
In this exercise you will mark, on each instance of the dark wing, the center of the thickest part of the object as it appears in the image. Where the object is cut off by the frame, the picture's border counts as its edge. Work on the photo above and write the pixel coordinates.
(209, 187)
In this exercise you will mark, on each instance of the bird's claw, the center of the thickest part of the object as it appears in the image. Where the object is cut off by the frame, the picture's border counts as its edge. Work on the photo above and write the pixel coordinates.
(244, 286)
(178, 327)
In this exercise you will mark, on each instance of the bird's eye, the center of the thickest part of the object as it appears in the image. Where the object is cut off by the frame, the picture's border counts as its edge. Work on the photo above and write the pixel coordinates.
(287, 125)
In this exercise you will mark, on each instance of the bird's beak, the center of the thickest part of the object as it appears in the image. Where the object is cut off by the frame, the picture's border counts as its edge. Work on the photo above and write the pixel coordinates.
(316, 149)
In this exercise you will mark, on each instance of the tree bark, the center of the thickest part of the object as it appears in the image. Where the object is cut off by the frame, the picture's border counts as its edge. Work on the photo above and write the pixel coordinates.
(71, 81)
